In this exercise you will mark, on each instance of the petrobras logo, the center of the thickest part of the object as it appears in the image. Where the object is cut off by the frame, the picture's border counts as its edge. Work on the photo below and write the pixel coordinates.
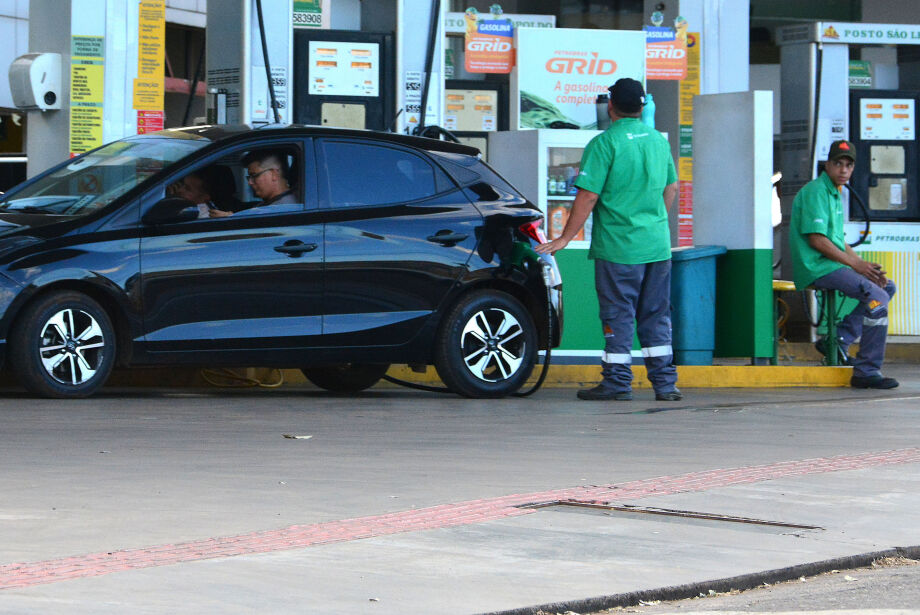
(665, 53)
(492, 45)
(581, 66)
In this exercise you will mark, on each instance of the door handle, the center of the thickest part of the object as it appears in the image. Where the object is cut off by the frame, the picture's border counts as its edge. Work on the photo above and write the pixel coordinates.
(295, 248)
(447, 239)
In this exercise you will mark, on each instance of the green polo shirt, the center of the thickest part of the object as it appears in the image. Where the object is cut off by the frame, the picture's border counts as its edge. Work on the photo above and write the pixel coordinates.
(628, 166)
(817, 208)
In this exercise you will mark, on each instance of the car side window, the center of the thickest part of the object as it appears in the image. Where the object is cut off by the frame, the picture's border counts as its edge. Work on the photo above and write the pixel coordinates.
(267, 179)
(360, 174)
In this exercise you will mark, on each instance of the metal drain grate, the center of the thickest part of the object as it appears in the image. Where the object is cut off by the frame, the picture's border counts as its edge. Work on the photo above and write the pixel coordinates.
(666, 514)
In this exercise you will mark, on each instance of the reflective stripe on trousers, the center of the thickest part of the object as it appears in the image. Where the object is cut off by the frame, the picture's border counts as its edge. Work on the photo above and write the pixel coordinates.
(640, 294)
(657, 351)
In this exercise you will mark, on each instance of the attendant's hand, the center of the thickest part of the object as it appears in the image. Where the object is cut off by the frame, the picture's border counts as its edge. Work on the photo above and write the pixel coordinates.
(551, 247)
(872, 271)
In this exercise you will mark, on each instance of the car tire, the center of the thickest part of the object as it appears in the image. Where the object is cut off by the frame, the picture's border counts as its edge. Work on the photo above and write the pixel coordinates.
(487, 345)
(347, 377)
(63, 346)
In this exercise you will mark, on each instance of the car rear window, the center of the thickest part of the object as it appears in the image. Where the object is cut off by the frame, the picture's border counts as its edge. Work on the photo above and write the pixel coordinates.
(467, 170)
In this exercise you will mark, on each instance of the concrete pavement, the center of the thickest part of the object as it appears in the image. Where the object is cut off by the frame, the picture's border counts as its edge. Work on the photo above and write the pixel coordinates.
(151, 501)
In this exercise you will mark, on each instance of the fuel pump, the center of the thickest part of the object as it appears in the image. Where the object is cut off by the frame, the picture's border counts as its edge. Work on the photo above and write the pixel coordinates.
(818, 106)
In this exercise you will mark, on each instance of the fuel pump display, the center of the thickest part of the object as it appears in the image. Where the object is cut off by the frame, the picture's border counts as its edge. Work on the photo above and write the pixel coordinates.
(884, 127)
(344, 79)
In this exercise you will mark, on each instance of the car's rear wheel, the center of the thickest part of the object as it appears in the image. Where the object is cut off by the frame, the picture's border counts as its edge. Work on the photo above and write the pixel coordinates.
(487, 346)
(346, 377)
(63, 346)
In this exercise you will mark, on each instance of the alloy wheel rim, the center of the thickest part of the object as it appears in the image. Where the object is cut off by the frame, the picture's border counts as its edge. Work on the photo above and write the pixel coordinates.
(493, 345)
(71, 347)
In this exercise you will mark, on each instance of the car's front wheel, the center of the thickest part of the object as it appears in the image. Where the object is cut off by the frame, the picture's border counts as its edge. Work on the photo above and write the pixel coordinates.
(487, 346)
(63, 346)
(346, 377)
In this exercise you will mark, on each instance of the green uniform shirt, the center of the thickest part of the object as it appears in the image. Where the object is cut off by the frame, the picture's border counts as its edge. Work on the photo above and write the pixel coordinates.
(628, 166)
(817, 208)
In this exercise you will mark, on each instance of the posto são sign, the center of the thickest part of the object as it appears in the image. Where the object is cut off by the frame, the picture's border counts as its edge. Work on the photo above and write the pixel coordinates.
(874, 33)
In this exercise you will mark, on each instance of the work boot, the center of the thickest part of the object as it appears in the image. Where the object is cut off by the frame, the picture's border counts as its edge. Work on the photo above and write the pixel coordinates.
(873, 382)
(602, 393)
(674, 395)
(842, 357)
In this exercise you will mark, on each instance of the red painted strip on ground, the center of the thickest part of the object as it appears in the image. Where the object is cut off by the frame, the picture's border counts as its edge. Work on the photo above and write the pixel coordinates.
(27, 574)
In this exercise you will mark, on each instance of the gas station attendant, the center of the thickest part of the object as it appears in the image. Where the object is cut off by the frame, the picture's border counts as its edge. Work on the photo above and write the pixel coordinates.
(822, 258)
(628, 182)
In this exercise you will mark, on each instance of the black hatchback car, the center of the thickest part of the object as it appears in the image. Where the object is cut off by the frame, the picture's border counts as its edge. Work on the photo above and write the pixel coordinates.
(334, 251)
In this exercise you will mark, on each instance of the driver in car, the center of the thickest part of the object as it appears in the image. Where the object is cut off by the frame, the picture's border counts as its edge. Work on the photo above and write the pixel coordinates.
(268, 175)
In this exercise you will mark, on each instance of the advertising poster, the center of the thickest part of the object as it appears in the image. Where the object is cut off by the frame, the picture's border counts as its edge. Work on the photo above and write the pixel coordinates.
(87, 80)
(689, 88)
(561, 72)
(488, 43)
(665, 54)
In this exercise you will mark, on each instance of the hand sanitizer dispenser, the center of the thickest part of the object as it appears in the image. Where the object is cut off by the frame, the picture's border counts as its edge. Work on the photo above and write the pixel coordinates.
(35, 81)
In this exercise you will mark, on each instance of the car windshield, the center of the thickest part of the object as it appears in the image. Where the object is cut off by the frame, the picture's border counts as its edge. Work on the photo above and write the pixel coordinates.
(95, 180)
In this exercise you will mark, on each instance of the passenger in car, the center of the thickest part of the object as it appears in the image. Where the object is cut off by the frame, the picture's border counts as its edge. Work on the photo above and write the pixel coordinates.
(222, 184)
(193, 187)
(269, 177)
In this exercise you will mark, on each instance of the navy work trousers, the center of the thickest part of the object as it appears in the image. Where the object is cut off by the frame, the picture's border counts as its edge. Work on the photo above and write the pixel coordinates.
(640, 293)
(869, 320)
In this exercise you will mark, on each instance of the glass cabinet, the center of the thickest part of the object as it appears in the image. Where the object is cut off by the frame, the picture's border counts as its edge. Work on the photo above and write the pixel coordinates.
(543, 164)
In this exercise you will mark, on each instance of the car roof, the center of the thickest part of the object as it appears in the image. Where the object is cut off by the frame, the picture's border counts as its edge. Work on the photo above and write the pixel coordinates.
(233, 132)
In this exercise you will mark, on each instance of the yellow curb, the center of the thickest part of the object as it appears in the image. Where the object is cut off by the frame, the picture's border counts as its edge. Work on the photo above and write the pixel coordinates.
(689, 376)
(559, 376)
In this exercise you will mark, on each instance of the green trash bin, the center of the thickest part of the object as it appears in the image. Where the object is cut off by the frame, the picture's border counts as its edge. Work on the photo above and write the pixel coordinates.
(693, 303)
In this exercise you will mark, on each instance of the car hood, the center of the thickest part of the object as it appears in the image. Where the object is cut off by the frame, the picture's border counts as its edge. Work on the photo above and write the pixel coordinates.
(13, 222)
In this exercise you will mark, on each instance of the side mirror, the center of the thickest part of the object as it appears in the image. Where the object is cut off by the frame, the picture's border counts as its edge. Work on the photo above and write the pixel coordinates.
(170, 210)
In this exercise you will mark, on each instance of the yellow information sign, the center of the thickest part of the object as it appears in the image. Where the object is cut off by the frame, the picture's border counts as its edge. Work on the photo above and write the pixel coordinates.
(87, 82)
(689, 87)
(148, 94)
(151, 44)
(151, 36)
(85, 129)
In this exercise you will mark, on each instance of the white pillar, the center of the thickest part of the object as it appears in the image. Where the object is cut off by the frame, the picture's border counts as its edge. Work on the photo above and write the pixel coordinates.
(412, 33)
(724, 26)
(47, 136)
